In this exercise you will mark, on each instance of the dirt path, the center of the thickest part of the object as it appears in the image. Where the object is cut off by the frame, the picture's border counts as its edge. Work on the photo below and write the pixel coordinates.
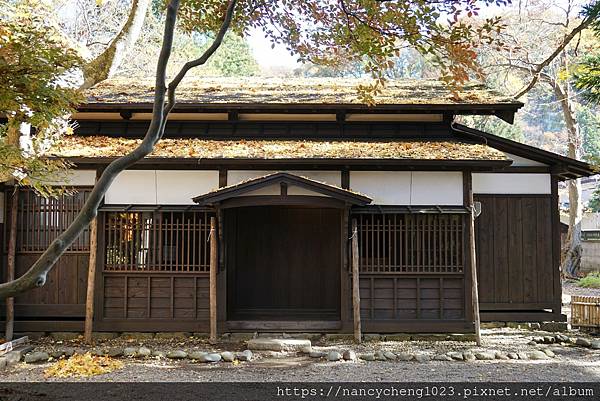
(305, 370)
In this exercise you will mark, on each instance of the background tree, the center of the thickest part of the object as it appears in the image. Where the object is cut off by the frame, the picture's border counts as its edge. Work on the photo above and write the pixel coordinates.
(323, 32)
(539, 47)
(35, 60)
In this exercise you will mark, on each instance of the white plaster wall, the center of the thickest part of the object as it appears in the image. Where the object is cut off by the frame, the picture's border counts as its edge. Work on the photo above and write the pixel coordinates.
(409, 188)
(519, 161)
(274, 189)
(511, 183)
(384, 187)
(77, 178)
(328, 177)
(178, 187)
(295, 190)
(161, 187)
(436, 188)
(133, 187)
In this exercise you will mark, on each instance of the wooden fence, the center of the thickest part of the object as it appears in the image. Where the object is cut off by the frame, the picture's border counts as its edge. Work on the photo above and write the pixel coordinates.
(585, 311)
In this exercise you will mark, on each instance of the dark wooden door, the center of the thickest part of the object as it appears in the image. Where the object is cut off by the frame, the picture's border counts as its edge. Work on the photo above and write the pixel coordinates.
(283, 263)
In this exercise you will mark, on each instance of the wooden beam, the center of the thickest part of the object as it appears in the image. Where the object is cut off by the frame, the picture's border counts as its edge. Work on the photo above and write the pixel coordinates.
(474, 287)
(214, 257)
(355, 284)
(89, 300)
(10, 273)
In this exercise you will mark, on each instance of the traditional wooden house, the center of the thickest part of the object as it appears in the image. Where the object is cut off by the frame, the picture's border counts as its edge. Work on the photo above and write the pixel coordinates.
(285, 167)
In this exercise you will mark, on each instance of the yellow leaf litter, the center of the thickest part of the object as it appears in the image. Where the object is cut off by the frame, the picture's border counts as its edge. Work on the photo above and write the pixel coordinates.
(83, 365)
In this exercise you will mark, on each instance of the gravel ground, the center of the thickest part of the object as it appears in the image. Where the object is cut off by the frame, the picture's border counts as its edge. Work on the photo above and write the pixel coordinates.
(571, 288)
(571, 364)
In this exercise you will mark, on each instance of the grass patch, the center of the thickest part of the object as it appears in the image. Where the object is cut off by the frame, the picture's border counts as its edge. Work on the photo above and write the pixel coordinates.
(592, 280)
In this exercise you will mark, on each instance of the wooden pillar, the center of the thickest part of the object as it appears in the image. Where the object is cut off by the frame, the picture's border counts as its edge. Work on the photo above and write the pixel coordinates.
(214, 258)
(91, 281)
(355, 284)
(10, 268)
(474, 289)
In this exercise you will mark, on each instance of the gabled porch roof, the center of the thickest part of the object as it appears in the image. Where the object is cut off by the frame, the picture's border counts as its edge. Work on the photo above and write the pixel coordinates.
(282, 181)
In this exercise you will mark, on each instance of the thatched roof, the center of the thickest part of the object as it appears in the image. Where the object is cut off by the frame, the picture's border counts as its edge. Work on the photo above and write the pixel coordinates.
(103, 146)
(296, 91)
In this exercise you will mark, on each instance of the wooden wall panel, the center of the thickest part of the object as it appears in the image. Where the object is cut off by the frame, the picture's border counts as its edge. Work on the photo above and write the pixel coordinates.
(63, 295)
(154, 297)
(397, 298)
(514, 252)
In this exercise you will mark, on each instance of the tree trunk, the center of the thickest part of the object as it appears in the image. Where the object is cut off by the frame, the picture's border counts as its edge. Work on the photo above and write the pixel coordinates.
(36, 275)
(10, 268)
(571, 260)
(106, 63)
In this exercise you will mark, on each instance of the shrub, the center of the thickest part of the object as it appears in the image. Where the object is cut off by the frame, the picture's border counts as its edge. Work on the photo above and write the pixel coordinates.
(592, 280)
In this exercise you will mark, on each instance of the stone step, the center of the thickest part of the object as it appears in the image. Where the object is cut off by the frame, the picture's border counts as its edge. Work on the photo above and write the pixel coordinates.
(279, 344)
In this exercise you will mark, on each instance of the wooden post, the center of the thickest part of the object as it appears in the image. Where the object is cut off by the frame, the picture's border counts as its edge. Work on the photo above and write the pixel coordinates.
(355, 284)
(475, 291)
(214, 257)
(10, 268)
(91, 281)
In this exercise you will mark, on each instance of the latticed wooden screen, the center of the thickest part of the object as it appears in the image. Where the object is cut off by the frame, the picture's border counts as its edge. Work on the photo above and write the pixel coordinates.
(157, 241)
(40, 220)
(411, 243)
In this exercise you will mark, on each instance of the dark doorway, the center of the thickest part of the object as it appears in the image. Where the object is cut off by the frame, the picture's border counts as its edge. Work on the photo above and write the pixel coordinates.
(283, 263)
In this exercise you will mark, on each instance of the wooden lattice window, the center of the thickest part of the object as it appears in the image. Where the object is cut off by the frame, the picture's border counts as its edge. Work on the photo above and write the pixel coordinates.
(157, 241)
(411, 243)
(40, 220)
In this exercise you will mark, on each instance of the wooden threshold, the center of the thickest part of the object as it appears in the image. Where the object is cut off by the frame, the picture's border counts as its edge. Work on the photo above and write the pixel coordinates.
(282, 325)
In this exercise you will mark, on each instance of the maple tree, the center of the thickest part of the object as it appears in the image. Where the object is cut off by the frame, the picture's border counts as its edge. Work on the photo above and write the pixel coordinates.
(34, 94)
(324, 32)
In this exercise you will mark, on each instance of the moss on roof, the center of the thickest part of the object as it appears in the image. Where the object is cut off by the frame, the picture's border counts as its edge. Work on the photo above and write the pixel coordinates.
(294, 91)
(103, 146)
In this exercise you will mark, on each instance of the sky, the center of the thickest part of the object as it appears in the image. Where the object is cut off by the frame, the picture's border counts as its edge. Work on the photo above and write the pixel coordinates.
(268, 57)
(280, 57)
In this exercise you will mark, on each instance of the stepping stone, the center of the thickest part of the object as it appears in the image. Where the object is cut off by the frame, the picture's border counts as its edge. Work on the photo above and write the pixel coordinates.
(389, 355)
(485, 356)
(333, 356)
(405, 356)
(114, 352)
(177, 354)
(537, 355)
(279, 344)
(209, 358)
(583, 342)
(227, 356)
(34, 357)
(245, 356)
(442, 357)
(457, 356)
(196, 354)
(316, 354)
(349, 355)
(367, 357)
(143, 352)
(130, 351)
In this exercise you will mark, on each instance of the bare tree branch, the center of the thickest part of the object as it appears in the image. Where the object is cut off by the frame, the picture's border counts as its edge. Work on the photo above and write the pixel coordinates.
(536, 71)
(106, 63)
(37, 273)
